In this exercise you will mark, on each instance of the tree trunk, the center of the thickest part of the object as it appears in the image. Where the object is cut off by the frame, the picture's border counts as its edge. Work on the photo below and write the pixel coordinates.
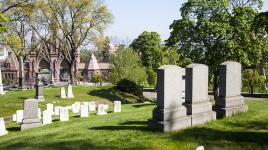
(72, 72)
(251, 89)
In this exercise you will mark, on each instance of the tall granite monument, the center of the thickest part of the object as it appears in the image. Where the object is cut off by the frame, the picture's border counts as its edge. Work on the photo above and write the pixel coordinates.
(170, 114)
(230, 101)
(30, 115)
(39, 88)
(199, 108)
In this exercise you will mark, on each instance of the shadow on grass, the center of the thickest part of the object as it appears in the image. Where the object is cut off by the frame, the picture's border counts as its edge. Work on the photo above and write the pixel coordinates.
(142, 105)
(252, 125)
(14, 129)
(112, 94)
(129, 125)
(212, 135)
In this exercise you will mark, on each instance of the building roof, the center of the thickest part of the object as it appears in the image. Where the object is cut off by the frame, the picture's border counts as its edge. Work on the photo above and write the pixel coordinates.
(93, 64)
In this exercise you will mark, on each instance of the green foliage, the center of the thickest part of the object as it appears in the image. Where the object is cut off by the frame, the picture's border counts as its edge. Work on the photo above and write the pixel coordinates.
(212, 32)
(3, 19)
(78, 76)
(130, 87)
(148, 46)
(97, 78)
(84, 56)
(152, 77)
(126, 64)
(252, 79)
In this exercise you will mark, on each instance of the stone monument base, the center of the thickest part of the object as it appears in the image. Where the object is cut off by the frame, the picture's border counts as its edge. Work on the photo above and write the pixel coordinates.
(30, 123)
(229, 111)
(202, 118)
(170, 125)
(170, 119)
(40, 98)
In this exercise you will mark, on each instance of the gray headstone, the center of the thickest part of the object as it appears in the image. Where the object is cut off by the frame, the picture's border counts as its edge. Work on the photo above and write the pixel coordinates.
(230, 101)
(199, 108)
(170, 114)
(39, 88)
(30, 115)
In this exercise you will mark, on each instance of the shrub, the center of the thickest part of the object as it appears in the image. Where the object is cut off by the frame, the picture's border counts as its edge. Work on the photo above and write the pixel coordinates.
(130, 87)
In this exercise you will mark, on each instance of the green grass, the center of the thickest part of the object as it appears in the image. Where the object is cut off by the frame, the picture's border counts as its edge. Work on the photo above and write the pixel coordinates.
(128, 130)
(13, 100)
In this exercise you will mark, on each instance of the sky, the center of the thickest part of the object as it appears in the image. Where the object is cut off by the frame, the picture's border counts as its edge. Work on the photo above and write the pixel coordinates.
(132, 17)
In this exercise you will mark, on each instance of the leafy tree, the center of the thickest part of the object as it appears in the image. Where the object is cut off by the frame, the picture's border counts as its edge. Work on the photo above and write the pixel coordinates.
(126, 64)
(148, 46)
(212, 32)
(3, 19)
(97, 78)
(252, 79)
(76, 24)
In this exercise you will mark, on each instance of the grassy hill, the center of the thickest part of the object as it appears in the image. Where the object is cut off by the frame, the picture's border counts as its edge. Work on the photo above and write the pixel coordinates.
(128, 130)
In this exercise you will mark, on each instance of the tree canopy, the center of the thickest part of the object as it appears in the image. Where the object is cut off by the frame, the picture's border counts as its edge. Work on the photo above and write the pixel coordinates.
(212, 32)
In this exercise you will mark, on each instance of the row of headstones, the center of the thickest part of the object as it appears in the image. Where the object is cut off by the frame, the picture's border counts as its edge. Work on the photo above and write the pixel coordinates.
(172, 114)
(69, 92)
(31, 115)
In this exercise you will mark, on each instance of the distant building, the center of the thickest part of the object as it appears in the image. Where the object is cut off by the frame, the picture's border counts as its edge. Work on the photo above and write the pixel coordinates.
(51, 64)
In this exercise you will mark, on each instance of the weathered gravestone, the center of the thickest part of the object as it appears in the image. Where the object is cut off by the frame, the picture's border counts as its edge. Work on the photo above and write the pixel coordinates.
(76, 107)
(102, 109)
(199, 108)
(70, 91)
(50, 108)
(230, 101)
(117, 106)
(84, 111)
(92, 106)
(62, 93)
(1, 84)
(183, 84)
(30, 115)
(57, 110)
(39, 88)
(64, 114)
(39, 113)
(47, 117)
(19, 115)
(3, 130)
(169, 114)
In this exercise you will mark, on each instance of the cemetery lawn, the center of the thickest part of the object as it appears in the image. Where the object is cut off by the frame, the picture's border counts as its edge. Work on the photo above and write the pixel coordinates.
(128, 130)
(13, 100)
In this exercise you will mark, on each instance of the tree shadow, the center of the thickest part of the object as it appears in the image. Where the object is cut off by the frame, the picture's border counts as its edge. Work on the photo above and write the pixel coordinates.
(129, 125)
(111, 94)
(252, 125)
(142, 105)
(13, 129)
(212, 135)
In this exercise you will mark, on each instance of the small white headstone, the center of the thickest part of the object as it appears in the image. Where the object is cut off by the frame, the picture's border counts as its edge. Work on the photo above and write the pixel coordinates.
(91, 106)
(70, 91)
(101, 109)
(106, 106)
(76, 107)
(62, 93)
(14, 117)
(50, 108)
(47, 118)
(3, 130)
(19, 114)
(117, 106)
(64, 114)
(200, 148)
(84, 111)
(57, 110)
(85, 103)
